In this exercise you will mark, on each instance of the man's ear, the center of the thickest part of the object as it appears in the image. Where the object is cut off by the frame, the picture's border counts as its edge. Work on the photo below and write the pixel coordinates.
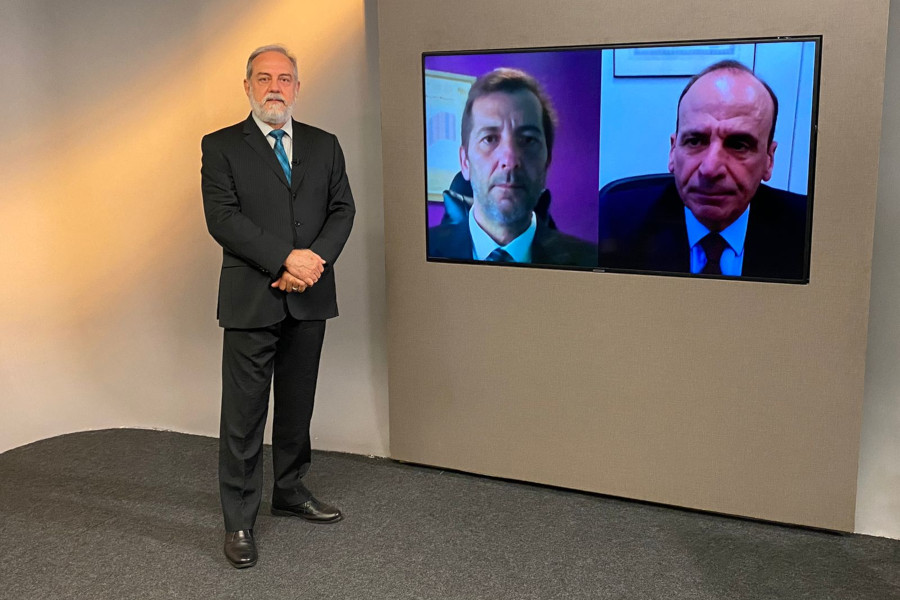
(770, 161)
(671, 164)
(464, 162)
(246, 87)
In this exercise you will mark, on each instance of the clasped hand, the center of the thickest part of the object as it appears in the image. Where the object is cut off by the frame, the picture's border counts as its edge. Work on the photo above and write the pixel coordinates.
(302, 270)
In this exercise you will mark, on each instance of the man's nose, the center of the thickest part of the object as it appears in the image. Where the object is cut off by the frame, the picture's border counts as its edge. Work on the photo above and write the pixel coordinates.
(713, 163)
(509, 153)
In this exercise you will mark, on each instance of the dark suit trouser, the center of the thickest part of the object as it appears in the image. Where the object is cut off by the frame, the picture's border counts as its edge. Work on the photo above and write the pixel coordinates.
(290, 350)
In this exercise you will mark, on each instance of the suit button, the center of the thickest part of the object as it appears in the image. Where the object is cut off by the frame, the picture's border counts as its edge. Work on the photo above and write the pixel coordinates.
(297, 223)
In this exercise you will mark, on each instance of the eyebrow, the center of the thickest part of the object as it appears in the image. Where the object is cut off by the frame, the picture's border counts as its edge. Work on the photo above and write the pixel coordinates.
(693, 133)
(704, 133)
(285, 74)
(744, 137)
(520, 129)
(529, 128)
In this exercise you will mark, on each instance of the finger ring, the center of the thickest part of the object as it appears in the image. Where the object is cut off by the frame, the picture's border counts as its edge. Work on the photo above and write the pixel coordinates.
(295, 288)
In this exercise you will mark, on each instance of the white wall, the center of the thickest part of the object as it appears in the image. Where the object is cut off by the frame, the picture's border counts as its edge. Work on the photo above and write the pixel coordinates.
(107, 311)
(109, 277)
(878, 492)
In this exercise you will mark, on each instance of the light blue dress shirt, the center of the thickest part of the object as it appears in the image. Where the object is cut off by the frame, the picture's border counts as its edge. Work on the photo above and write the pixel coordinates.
(735, 234)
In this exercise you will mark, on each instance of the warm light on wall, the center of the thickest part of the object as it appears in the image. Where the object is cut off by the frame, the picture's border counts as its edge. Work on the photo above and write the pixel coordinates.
(105, 200)
(107, 308)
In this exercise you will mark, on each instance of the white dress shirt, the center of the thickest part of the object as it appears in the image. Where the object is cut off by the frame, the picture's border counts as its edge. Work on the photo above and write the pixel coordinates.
(287, 140)
(482, 244)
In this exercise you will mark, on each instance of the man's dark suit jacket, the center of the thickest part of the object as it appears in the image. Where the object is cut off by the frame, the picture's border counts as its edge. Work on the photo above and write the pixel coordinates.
(550, 247)
(258, 219)
(774, 247)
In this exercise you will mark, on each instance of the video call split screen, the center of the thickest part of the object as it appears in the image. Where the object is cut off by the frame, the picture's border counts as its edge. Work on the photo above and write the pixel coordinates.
(689, 159)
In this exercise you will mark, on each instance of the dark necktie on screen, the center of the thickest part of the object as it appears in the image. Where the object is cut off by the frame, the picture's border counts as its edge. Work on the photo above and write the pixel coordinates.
(499, 255)
(280, 153)
(713, 245)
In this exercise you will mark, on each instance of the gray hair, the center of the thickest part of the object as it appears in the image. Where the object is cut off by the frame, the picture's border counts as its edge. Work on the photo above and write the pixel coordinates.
(270, 48)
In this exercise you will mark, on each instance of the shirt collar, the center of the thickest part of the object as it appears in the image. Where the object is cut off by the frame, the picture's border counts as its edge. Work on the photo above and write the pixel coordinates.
(483, 244)
(288, 127)
(734, 234)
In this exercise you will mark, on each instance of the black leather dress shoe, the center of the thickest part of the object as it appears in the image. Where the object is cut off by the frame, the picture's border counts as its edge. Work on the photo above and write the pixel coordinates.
(312, 510)
(240, 549)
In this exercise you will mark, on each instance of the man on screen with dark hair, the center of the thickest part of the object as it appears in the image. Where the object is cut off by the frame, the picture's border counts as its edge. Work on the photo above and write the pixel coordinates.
(717, 217)
(508, 127)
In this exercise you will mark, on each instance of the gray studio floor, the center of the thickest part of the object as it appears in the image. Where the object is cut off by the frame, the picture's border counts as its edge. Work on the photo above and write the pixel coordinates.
(134, 514)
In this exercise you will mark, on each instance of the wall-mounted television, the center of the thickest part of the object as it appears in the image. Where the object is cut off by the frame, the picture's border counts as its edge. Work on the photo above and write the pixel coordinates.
(681, 159)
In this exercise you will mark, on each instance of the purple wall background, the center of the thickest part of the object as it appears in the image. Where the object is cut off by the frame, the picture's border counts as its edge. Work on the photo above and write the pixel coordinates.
(572, 80)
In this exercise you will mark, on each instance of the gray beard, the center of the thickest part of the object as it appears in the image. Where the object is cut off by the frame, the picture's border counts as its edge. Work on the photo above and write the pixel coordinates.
(273, 116)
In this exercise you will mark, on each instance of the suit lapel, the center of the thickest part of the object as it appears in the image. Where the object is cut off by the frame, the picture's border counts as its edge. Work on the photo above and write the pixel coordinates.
(666, 244)
(300, 160)
(451, 240)
(255, 138)
(763, 253)
(543, 249)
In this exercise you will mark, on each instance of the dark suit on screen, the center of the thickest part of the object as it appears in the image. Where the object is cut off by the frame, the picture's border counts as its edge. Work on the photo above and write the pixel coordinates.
(550, 247)
(258, 219)
(774, 248)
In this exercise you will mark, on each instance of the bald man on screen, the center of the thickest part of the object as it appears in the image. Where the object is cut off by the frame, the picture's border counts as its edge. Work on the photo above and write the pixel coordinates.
(718, 217)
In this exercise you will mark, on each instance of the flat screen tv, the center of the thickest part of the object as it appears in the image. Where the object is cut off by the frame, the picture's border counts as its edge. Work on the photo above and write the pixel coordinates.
(679, 159)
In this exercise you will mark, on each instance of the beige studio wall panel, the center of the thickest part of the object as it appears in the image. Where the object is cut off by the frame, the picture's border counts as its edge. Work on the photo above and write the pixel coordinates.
(736, 397)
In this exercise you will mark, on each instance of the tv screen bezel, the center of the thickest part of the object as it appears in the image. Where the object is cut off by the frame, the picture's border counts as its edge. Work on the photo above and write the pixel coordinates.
(817, 39)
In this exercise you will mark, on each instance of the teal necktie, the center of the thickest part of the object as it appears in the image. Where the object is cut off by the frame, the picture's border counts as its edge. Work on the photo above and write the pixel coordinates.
(280, 153)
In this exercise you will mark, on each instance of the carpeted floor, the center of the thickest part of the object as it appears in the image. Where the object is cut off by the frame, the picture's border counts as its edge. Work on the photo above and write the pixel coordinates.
(135, 514)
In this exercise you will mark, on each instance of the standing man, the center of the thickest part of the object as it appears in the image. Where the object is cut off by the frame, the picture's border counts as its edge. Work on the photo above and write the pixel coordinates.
(277, 200)
(507, 133)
